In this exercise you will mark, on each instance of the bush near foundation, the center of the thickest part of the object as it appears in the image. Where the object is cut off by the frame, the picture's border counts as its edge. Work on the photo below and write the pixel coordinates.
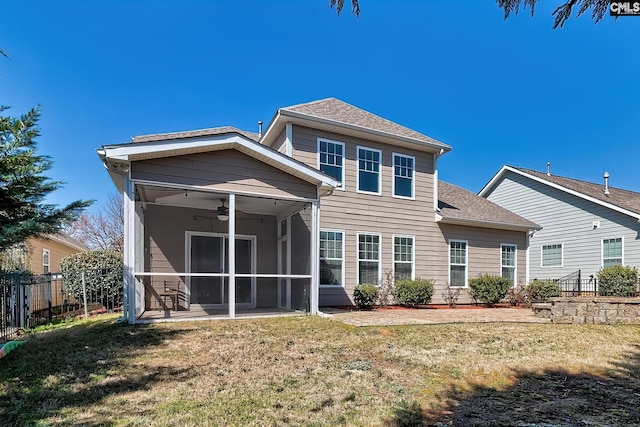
(365, 295)
(542, 290)
(413, 292)
(489, 289)
(618, 281)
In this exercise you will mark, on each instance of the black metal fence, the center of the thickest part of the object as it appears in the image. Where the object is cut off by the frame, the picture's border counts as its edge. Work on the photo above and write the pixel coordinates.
(27, 301)
(575, 285)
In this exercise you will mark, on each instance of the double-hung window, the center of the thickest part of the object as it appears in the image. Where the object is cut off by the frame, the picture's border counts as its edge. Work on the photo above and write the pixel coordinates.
(403, 257)
(508, 261)
(331, 258)
(611, 252)
(403, 170)
(368, 258)
(331, 159)
(458, 263)
(369, 161)
(552, 255)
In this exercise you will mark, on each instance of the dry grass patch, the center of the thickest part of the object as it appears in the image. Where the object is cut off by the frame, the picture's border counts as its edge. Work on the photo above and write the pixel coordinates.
(317, 372)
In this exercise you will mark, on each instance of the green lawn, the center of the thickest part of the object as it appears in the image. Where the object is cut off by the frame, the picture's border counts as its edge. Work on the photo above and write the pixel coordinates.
(317, 372)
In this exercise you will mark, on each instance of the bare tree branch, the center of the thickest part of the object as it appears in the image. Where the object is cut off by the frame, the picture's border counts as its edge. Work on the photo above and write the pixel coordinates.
(104, 230)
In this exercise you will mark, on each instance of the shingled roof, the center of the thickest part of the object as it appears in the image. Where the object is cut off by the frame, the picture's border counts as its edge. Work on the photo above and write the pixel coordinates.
(340, 112)
(625, 199)
(195, 134)
(458, 205)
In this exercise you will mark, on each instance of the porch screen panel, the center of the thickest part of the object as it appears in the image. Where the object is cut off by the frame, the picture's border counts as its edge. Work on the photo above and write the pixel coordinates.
(206, 257)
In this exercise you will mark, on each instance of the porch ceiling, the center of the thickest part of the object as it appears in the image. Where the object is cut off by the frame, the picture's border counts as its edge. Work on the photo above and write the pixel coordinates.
(211, 200)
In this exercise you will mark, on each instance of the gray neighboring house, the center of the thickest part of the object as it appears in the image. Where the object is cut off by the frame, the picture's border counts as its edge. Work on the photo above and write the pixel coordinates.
(585, 225)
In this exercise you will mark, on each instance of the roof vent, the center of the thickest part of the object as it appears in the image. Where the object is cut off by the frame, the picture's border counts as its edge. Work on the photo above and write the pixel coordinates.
(259, 128)
(606, 183)
(548, 168)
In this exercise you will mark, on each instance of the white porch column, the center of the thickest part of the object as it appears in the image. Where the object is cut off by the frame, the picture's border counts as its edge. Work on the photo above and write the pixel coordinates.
(314, 288)
(138, 234)
(232, 255)
(129, 249)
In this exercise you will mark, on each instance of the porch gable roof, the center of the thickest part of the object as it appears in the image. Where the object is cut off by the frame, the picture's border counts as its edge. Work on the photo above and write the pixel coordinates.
(116, 158)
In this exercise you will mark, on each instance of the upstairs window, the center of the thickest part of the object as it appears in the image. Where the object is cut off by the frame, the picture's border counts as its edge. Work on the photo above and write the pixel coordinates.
(331, 159)
(369, 170)
(403, 169)
(552, 255)
(612, 252)
(508, 262)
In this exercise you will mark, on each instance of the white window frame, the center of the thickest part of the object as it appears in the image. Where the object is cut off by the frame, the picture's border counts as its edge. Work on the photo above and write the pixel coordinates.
(515, 267)
(341, 184)
(379, 192)
(561, 255)
(342, 284)
(413, 176)
(602, 249)
(413, 254)
(46, 252)
(365, 233)
(466, 264)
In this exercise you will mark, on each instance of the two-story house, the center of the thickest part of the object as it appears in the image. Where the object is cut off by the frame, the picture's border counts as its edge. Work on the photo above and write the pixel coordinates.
(329, 196)
(586, 225)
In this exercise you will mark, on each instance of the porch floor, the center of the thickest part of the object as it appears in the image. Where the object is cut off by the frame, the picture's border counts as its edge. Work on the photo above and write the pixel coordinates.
(151, 316)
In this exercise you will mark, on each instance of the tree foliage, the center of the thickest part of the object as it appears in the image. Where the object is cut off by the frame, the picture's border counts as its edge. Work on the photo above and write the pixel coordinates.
(23, 185)
(103, 273)
(561, 14)
(104, 230)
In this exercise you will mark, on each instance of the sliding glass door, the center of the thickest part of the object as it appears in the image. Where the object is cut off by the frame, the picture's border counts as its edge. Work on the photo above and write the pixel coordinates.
(209, 253)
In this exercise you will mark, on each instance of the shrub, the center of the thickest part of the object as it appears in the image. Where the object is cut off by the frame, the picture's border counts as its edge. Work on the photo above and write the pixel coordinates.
(489, 289)
(365, 295)
(518, 296)
(542, 290)
(450, 294)
(413, 292)
(618, 281)
(102, 271)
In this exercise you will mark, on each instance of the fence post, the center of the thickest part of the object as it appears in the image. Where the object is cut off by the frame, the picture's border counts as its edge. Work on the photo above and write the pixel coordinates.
(84, 296)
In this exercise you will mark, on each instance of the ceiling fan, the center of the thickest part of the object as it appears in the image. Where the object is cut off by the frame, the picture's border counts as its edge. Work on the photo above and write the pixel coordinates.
(223, 211)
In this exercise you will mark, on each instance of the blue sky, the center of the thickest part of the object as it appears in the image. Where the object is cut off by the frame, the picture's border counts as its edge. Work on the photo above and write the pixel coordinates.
(500, 92)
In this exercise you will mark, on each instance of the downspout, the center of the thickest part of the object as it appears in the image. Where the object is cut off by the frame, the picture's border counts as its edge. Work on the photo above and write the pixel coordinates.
(436, 156)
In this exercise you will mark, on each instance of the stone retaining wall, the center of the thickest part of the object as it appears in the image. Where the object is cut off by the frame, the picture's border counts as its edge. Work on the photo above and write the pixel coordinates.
(604, 310)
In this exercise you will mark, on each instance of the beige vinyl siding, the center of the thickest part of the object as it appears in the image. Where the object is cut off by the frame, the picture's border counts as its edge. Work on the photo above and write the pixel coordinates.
(57, 251)
(279, 143)
(226, 170)
(382, 214)
(483, 254)
(165, 236)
